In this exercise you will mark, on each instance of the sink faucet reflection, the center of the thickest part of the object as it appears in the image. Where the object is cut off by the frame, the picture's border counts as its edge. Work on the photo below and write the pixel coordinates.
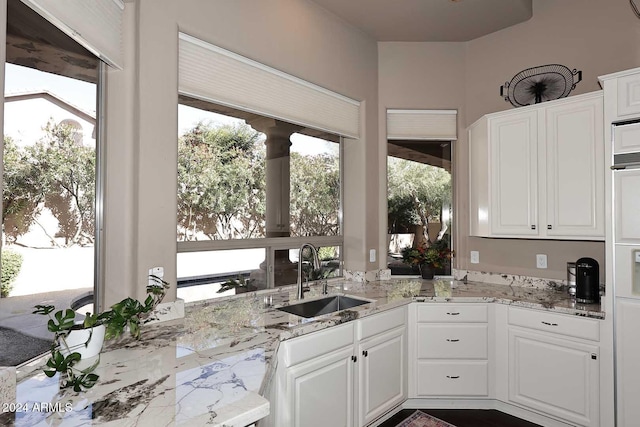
(316, 266)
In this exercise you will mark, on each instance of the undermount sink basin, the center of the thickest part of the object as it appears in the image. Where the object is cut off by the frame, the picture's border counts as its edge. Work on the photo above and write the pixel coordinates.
(322, 306)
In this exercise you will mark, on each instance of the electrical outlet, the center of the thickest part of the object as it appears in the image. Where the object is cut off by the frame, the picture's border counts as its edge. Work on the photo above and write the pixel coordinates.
(156, 271)
(372, 255)
(475, 257)
(541, 261)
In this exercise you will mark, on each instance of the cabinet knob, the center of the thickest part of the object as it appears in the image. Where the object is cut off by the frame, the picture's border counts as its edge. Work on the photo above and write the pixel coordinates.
(354, 358)
(365, 353)
(453, 377)
(533, 227)
(452, 340)
(549, 227)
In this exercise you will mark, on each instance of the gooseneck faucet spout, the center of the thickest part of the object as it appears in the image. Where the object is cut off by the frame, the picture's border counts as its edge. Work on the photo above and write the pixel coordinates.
(316, 266)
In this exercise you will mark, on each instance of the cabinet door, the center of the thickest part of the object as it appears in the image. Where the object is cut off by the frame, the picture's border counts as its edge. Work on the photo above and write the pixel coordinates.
(514, 174)
(629, 95)
(320, 391)
(382, 374)
(628, 351)
(575, 169)
(556, 376)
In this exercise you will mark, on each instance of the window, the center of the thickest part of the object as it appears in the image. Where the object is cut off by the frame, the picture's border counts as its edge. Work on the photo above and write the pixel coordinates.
(49, 179)
(419, 199)
(251, 190)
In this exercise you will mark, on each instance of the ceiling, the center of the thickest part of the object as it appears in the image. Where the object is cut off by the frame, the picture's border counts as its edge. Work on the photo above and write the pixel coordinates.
(429, 20)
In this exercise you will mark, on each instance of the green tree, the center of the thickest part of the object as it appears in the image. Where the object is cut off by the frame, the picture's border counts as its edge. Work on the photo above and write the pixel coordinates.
(22, 193)
(66, 171)
(424, 188)
(221, 183)
(56, 172)
(315, 195)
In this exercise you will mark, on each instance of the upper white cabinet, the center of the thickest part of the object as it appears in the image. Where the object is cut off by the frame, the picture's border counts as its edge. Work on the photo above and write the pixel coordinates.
(538, 171)
(629, 95)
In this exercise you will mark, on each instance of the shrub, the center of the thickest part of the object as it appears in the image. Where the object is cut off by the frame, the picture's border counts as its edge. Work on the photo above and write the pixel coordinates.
(11, 264)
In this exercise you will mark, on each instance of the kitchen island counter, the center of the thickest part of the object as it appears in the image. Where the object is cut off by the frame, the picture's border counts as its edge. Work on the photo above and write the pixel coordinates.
(213, 366)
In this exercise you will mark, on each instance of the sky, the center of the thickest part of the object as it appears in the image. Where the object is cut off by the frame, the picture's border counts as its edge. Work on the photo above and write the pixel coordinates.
(83, 95)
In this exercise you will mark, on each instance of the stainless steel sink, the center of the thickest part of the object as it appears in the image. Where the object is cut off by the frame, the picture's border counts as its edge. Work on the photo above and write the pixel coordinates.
(324, 305)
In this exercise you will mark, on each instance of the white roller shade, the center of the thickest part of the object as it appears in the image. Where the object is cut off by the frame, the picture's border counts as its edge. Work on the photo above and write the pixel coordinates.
(95, 24)
(214, 74)
(422, 124)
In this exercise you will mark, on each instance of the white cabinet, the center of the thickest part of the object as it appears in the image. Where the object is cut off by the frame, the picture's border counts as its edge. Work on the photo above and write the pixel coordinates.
(629, 95)
(448, 350)
(345, 375)
(628, 362)
(321, 391)
(382, 374)
(555, 373)
(538, 171)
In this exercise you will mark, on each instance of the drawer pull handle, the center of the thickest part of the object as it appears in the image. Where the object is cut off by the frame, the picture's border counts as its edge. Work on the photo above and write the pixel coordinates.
(453, 377)
(452, 313)
(452, 340)
(549, 324)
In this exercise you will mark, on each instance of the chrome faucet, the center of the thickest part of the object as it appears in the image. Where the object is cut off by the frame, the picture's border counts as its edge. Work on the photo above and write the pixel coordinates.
(316, 266)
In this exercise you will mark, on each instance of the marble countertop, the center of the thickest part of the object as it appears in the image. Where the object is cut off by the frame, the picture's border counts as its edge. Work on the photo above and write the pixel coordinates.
(212, 367)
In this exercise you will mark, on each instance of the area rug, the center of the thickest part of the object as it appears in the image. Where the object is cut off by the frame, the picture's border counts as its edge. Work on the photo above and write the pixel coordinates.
(17, 348)
(420, 419)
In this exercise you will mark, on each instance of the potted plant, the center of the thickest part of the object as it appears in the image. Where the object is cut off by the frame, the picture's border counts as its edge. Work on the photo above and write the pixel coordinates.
(241, 285)
(427, 258)
(76, 345)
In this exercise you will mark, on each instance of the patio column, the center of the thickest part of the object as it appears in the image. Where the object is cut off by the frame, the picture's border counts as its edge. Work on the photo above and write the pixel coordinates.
(277, 190)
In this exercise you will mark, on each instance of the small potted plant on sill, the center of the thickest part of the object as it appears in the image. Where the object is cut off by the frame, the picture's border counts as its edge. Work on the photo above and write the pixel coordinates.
(241, 285)
(427, 258)
(76, 346)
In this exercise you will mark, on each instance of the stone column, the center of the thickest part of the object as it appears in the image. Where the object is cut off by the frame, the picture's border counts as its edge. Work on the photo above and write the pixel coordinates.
(277, 192)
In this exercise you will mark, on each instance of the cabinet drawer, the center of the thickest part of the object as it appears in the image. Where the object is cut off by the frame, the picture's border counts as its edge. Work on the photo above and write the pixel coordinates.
(578, 327)
(443, 341)
(467, 378)
(381, 322)
(307, 347)
(458, 313)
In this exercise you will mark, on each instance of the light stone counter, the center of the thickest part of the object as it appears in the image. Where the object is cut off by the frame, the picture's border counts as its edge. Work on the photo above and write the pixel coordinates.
(212, 367)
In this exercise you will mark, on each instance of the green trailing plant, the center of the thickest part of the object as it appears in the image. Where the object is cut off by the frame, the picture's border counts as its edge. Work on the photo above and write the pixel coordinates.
(61, 323)
(11, 265)
(128, 313)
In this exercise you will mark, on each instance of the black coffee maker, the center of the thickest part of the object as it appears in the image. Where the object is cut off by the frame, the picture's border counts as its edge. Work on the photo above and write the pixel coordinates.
(587, 281)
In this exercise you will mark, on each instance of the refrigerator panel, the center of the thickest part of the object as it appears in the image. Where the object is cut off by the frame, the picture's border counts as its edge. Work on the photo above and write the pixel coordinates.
(627, 206)
(627, 271)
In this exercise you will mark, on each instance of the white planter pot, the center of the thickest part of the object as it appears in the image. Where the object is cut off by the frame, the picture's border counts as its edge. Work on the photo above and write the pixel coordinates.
(87, 342)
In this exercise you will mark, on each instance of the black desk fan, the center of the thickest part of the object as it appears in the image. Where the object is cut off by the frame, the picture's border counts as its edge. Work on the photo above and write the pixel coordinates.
(539, 84)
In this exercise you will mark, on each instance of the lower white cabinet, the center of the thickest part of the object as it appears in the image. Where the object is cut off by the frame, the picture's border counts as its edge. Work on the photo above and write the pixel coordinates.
(382, 367)
(551, 372)
(346, 375)
(448, 350)
(320, 391)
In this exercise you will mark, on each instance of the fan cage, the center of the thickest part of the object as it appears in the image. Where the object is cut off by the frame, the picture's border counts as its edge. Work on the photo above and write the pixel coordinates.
(540, 84)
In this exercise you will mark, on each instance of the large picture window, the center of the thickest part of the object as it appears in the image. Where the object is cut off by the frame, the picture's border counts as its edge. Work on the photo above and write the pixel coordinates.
(251, 190)
(50, 158)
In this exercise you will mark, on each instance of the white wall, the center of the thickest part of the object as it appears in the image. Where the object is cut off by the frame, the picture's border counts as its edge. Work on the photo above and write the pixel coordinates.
(294, 36)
